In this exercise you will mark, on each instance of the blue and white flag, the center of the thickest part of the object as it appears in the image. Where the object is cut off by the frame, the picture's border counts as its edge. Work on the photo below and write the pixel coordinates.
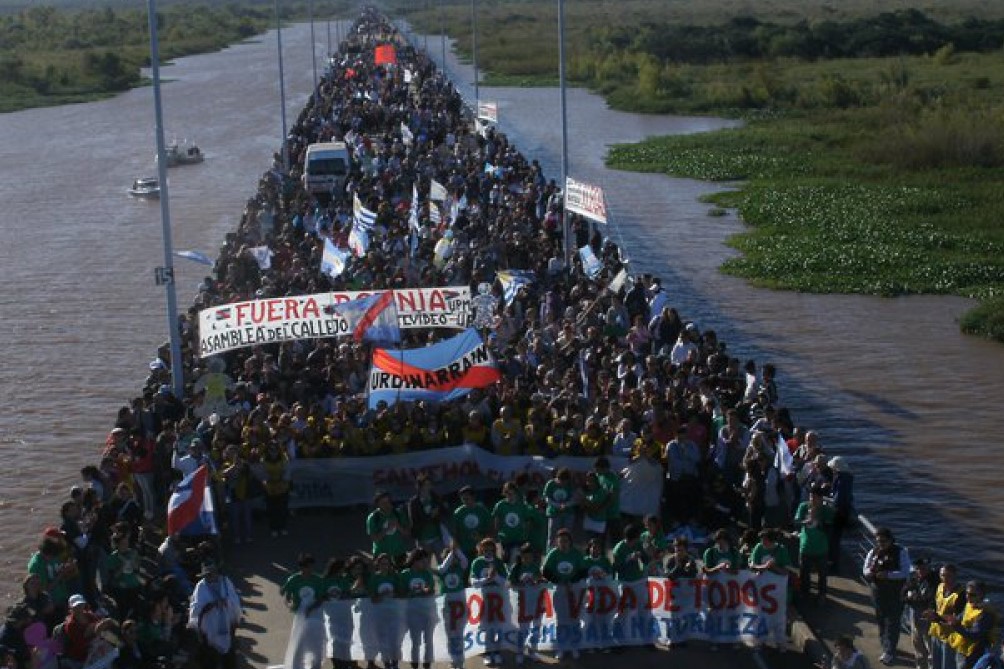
(359, 241)
(195, 256)
(413, 221)
(435, 215)
(333, 260)
(437, 191)
(591, 265)
(262, 255)
(512, 280)
(407, 136)
(190, 509)
(372, 318)
(362, 217)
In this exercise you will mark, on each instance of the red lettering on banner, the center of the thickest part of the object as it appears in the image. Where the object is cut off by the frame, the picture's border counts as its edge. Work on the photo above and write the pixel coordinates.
(606, 599)
(292, 308)
(670, 603)
(436, 301)
(274, 310)
(575, 603)
(699, 584)
(406, 300)
(768, 602)
(457, 612)
(748, 593)
(628, 602)
(733, 591)
(656, 594)
(475, 617)
(493, 608)
(310, 309)
(717, 596)
(545, 607)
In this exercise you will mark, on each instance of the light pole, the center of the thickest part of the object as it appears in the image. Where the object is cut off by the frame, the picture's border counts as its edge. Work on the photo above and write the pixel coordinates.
(442, 34)
(282, 91)
(313, 44)
(564, 134)
(329, 38)
(165, 275)
(474, 49)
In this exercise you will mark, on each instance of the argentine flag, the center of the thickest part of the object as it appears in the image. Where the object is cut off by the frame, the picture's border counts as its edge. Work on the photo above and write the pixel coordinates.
(333, 260)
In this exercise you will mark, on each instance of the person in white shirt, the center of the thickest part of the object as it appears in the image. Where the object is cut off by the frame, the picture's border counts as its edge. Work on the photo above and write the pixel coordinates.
(214, 612)
(887, 566)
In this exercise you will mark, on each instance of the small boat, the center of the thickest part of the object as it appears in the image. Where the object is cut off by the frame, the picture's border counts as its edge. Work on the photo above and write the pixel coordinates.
(183, 154)
(146, 187)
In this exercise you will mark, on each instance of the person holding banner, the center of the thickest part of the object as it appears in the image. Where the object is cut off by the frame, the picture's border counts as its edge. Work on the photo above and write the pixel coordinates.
(563, 566)
(338, 625)
(426, 515)
(559, 494)
(511, 519)
(525, 578)
(471, 521)
(384, 619)
(452, 571)
(418, 585)
(489, 573)
(304, 592)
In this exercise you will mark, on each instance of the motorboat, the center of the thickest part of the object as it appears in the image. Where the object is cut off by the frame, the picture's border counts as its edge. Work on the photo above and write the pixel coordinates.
(146, 187)
(183, 154)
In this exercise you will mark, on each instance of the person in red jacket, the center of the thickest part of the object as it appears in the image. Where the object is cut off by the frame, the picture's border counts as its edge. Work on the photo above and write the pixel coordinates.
(77, 632)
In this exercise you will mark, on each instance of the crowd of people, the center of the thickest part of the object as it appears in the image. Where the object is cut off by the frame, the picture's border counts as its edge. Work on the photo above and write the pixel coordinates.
(588, 369)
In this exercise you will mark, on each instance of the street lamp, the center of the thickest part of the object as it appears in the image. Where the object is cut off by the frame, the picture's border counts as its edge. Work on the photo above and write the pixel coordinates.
(282, 91)
(313, 44)
(474, 49)
(564, 134)
(165, 274)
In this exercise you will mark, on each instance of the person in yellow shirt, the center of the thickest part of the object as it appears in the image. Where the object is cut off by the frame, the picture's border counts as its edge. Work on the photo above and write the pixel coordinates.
(594, 441)
(975, 631)
(475, 431)
(507, 433)
(948, 603)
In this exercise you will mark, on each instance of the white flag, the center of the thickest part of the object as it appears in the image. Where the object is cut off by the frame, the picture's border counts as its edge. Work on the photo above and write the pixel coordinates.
(437, 191)
(262, 255)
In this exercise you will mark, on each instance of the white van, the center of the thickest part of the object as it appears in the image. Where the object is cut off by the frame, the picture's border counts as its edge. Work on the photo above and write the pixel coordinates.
(325, 168)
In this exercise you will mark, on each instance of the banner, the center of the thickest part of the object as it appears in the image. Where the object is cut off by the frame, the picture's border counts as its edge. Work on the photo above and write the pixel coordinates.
(333, 482)
(591, 265)
(488, 111)
(438, 373)
(384, 55)
(272, 320)
(746, 608)
(585, 200)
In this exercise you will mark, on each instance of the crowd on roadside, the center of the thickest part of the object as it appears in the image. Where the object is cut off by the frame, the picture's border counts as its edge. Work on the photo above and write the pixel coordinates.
(585, 371)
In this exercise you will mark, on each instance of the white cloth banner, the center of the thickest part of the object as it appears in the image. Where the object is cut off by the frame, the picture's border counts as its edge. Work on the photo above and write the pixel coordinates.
(266, 321)
(488, 111)
(745, 608)
(346, 481)
(585, 200)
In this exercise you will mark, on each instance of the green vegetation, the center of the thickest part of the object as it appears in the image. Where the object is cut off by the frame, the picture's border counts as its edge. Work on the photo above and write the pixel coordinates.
(873, 154)
(51, 56)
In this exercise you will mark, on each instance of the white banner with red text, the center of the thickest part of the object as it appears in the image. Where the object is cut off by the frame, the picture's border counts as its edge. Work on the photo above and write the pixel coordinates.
(328, 482)
(586, 200)
(273, 320)
(744, 608)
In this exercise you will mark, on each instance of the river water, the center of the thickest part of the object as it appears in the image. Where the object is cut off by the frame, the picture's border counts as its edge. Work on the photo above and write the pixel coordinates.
(888, 382)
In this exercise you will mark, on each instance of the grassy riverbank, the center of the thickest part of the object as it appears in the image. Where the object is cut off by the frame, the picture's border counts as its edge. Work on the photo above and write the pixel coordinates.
(57, 55)
(880, 171)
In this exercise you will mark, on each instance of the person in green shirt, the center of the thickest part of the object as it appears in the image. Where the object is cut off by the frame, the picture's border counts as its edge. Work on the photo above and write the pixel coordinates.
(769, 555)
(305, 594)
(611, 482)
(560, 501)
(53, 568)
(488, 571)
(510, 514)
(526, 571)
(452, 571)
(629, 556)
(814, 519)
(721, 557)
(471, 521)
(338, 612)
(304, 590)
(595, 500)
(537, 520)
(655, 544)
(562, 566)
(595, 564)
(418, 585)
(384, 586)
(525, 578)
(387, 527)
(122, 567)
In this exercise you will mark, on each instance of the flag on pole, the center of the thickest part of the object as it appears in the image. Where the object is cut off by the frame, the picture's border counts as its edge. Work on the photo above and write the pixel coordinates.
(262, 255)
(437, 191)
(195, 256)
(413, 213)
(435, 215)
(359, 241)
(512, 280)
(590, 263)
(333, 260)
(362, 217)
(373, 318)
(407, 136)
(190, 509)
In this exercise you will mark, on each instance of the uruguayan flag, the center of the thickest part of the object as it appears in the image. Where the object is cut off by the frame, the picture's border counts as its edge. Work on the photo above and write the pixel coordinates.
(362, 218)
(435, 215)
(512, 280)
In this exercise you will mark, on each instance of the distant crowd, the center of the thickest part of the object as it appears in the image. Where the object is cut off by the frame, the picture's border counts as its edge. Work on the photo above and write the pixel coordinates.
(715, 461)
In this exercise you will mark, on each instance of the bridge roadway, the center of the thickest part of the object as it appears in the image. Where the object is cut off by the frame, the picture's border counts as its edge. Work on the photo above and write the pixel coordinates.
(259, 568)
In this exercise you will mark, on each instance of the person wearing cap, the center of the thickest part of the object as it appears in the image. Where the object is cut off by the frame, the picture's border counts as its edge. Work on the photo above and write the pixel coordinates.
(842, 497)
(214, 612)
(919, 596)
(77, 631)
